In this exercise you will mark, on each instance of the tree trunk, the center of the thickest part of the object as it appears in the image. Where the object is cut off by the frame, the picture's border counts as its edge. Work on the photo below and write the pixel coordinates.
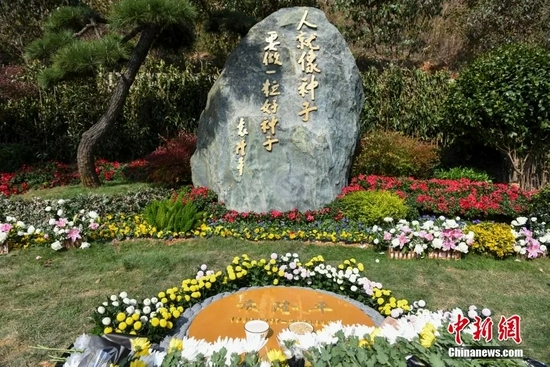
(90, 138)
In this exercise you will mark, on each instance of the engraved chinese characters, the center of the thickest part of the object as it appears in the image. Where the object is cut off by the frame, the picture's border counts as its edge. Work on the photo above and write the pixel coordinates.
(282, 120)
(279, 307)
(270, 90)
(309, 66)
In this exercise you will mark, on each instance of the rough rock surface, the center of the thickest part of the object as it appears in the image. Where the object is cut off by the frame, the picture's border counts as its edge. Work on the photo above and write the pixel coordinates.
(275, 74)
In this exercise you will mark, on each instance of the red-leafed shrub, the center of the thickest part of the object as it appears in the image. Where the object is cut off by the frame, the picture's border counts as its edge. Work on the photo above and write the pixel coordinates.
(170, 163)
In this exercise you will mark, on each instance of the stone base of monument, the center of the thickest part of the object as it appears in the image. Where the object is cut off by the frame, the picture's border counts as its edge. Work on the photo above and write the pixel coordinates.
(436, 254)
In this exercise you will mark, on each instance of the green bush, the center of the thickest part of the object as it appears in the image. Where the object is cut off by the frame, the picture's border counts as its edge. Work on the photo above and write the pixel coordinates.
(539, 205)
(388, 153)
(494, 239)
(13, 156)
(457, 173)
(163, 100)
(503, 99)
(404, 100)
(371, 207)
(172, 215)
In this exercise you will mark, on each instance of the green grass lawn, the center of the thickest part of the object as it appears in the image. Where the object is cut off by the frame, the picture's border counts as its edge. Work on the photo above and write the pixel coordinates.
(70, 191)
(47, 301)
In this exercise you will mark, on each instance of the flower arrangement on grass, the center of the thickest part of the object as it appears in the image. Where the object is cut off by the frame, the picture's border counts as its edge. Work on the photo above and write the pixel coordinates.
(62, 231)
(67, 232)
(420, 338)
(423, 236)
(531, 237)
(155, 316)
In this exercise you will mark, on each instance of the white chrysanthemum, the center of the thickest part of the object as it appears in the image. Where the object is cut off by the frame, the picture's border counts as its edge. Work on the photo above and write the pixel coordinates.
(101, 310)
(3, 236)
(106, 321)
(154, 358)
(251, 345)
(326, 338)
(308, 341)
(193, 347)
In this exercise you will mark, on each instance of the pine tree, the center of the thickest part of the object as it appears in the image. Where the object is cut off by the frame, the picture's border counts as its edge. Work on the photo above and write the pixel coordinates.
(78, 42)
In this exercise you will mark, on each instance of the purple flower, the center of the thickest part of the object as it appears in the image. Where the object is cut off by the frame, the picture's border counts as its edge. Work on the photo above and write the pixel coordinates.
(74, 234)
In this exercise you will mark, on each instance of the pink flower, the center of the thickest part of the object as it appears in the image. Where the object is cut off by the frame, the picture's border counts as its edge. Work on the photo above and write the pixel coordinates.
(74, 234)
(93, 226)
(533, 249)
(5, 227)
(62, 222)
(387, 236)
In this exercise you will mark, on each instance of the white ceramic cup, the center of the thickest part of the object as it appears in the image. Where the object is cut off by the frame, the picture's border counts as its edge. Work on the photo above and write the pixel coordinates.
(256, 329)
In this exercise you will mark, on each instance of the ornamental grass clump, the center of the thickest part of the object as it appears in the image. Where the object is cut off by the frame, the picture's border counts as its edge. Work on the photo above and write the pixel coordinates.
(495, 239)
(173, 215)
(371, 207)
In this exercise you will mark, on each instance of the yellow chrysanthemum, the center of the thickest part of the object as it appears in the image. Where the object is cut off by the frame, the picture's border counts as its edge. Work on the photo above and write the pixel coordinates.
(138, 363)
(175, 344)
(276, 355)
(427, 335)
(375, 333)
(121, 316)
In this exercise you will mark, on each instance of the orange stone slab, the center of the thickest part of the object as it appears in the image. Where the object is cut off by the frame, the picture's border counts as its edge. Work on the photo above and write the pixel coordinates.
(279, 307)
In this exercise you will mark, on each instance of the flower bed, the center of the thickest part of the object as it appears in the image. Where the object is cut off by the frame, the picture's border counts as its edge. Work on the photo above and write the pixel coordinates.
(466, 198)
(414, 332)
(154, 317)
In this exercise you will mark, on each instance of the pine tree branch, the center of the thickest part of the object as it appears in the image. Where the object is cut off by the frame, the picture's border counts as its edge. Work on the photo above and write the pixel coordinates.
(132, 34)
(93, 24)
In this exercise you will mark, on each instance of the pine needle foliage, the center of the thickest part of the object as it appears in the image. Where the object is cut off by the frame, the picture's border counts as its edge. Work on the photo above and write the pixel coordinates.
(72, 18)
(128, 14)
(43, 48)
(83, 57)
(172, 215)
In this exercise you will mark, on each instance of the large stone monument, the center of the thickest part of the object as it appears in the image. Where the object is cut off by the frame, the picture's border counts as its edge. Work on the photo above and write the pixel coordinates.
(282, 120)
